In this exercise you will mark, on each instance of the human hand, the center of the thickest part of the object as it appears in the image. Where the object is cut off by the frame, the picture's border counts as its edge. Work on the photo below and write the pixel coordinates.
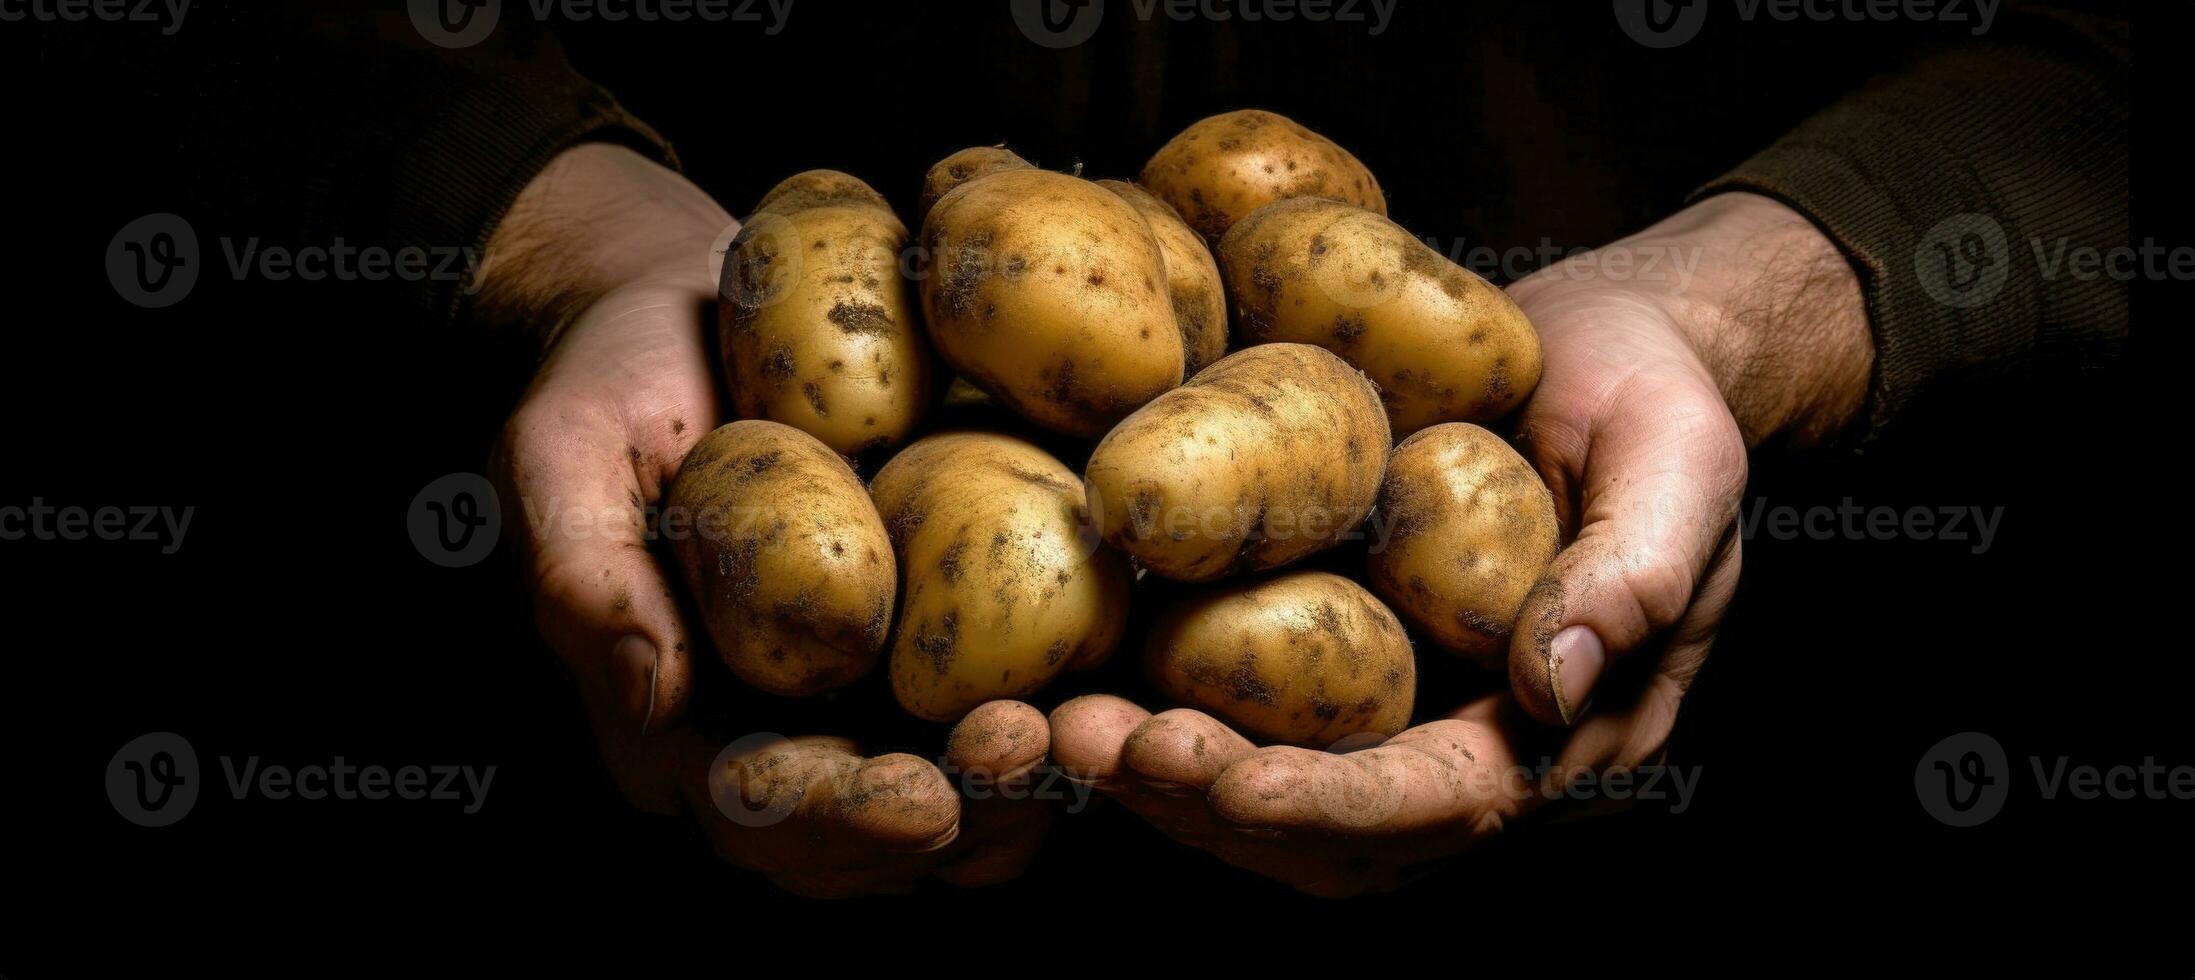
(613, 261)
(1656, 383)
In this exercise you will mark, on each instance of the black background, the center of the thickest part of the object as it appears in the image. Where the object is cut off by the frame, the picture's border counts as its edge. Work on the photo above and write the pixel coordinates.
(298, 623)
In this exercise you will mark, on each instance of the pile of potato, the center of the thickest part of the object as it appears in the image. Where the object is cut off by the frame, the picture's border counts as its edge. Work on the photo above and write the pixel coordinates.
(1105, 311)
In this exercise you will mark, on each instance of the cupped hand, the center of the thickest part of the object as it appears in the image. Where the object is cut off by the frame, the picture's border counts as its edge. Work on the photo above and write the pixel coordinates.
(1746, 325)
(612, 260)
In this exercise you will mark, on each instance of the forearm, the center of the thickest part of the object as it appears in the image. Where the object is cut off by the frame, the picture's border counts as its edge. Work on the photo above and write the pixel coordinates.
(1950, 185)
(599, 217)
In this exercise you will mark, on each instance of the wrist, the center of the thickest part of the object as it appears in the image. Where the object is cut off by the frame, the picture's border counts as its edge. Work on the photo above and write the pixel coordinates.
(1770, 307)
(599, 217)
(1777, 314)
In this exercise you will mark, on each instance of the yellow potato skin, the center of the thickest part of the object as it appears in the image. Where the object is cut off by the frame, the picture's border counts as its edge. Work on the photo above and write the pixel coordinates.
(1306, 658)
(818, 324)
(1443, 344)
(1223, 167)
(1269, 455)
(818, 189)
(1005, 583)
(787, 559)
(1472, 528)
(1049, 293)
(964, 166)
(1192, 279)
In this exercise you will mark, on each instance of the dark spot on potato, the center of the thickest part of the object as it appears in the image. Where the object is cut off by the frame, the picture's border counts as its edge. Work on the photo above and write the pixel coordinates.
(1348, 329)
(936, 646)
(950, 565)
(861, 318)
(779, 364)
(814, 394)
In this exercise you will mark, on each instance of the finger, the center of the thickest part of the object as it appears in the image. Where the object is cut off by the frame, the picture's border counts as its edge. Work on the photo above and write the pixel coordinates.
(1183, 751)
(600, 599)
(818, 818)
(1088, 734)
(1637, 734)
(992, 753)
(1659, 491)
(1445, 776)
(1000, 741)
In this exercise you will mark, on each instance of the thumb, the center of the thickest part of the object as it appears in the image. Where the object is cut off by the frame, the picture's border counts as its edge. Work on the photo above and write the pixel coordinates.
(1658, 485)
(600, 599)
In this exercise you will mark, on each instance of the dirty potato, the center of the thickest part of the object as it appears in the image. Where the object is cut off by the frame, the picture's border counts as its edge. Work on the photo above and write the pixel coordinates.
(1192, 279)
(788, 561)
(1471, 529)
(1443, 344)
(1269, 455)
(1223, 167)
(1306, 658)
(1005, 583)
(1050, 293)
(818, 323)
(964, 166)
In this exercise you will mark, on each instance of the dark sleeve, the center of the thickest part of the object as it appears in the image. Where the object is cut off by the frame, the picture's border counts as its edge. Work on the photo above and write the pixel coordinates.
(349, 126)
(1963, 189)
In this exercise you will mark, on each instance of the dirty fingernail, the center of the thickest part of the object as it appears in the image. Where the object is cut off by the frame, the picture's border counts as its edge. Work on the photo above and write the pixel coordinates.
(1578, 658)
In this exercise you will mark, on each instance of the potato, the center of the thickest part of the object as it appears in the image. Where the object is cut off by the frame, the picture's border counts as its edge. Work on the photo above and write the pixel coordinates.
(1050, 293)
(964, 166)
(1443, 344)
(1307, 658)
(817, 321)
(1005, 583)
(819, 189)
(788, 561)
(1223, 167)
(1192, 279)
(1269, 455)
(1471, 528)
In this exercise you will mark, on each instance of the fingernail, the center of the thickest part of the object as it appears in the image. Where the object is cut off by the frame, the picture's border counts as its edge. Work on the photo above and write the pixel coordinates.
(1576, 659)
(634, 662)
